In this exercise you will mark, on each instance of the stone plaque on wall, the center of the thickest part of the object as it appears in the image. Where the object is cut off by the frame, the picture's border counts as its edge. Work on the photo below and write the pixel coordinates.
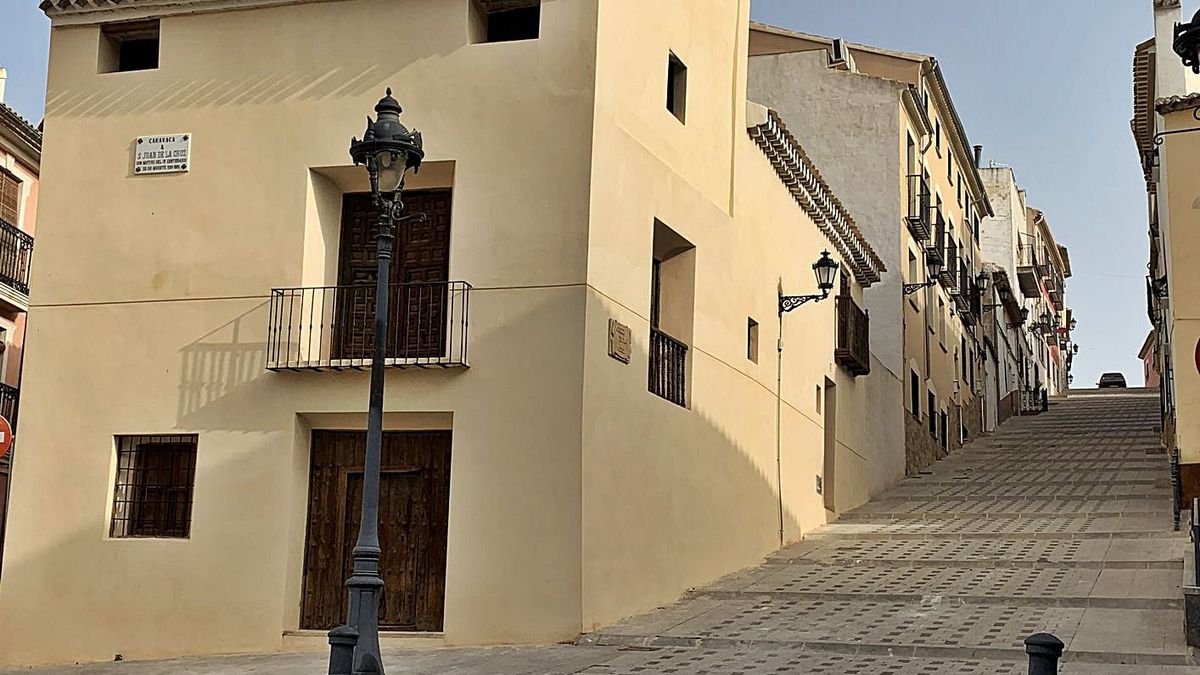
(162, 154)
(620, 341)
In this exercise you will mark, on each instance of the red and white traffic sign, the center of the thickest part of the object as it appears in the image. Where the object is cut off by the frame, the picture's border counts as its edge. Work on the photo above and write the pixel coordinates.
(6, 436)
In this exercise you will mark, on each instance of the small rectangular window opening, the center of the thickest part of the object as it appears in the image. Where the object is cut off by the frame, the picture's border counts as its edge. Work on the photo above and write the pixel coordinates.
(677, 88)
(129, 46)
(752, 340)
(508, 20)
(156, 477)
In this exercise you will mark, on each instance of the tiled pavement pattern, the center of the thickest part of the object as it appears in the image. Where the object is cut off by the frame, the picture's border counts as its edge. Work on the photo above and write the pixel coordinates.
(1057, 523)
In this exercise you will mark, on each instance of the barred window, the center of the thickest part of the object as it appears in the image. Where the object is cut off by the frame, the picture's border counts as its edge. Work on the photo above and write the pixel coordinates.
(155, 480)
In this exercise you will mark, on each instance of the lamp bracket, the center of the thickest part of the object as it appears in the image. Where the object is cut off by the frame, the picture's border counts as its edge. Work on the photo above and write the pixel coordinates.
(788, 303)
(909, 289)
(1161, 137)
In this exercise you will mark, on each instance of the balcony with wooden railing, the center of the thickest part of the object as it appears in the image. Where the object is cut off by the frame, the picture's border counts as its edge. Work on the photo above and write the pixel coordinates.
(853, 337)
(668, 368)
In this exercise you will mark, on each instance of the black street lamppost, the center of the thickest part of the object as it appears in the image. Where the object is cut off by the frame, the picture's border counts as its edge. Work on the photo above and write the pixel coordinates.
(826, 270)
(388, 150)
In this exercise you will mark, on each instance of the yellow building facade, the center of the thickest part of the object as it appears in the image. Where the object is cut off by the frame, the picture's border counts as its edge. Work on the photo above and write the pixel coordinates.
(594, 172)
(883, 127)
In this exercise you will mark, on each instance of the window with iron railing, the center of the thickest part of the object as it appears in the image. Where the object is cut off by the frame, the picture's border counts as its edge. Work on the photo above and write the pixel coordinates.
(16, 255)
(668, 356)
(920, 210)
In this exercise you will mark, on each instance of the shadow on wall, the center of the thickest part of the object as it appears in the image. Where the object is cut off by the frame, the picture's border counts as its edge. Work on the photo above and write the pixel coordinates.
(219, 374)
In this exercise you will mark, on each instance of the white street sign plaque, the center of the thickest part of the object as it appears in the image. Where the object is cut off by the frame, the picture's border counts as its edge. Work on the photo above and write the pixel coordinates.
(162, 154)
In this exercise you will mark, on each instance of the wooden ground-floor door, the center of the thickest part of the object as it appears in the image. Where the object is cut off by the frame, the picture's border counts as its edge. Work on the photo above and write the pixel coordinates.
(414, 504)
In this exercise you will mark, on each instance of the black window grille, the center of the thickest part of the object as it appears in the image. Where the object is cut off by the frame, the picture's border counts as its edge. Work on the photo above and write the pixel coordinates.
(156, 476)
(915, 395)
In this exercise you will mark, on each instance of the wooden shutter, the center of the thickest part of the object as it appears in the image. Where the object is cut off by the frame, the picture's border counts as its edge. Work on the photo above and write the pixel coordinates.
(10, 197)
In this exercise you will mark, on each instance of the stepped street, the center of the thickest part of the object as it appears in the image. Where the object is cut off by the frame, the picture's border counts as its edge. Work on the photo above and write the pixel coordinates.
(1060, 522)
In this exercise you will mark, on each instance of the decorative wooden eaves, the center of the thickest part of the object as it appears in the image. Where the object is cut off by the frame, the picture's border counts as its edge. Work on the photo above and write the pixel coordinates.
(800, 176)
(67, 12)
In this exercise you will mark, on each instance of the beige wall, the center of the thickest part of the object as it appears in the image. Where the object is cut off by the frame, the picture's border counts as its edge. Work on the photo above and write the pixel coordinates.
(577, 496)
(159, 324)
(1180, 157)
(674, 497)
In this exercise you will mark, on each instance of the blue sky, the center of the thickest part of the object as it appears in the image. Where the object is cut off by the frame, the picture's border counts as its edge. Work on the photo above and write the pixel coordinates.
(1043, 85)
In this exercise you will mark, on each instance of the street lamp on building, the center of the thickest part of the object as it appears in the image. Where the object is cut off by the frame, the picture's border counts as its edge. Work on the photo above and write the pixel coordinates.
(825, 269)
(933, 267)
(388, 150)
(1187, 43)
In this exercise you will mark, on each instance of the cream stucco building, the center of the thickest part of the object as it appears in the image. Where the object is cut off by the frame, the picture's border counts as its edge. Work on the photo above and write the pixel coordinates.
(1032, 328)
(1166, 98)
(591, 167)
(883, 127)
(20, 158)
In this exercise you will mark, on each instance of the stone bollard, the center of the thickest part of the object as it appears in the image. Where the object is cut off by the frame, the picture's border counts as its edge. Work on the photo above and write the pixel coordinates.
(1044, 651)
(342, 641)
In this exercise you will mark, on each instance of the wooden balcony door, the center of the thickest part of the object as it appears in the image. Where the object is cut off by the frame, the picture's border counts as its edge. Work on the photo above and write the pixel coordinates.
(414, 504)
(422, 259)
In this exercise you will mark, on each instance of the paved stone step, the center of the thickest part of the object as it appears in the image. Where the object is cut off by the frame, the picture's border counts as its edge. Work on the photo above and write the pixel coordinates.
(1040, 527)
(1050, 463)
(893, 509)
(988, 552)
(1024, 587)
(1031, 491)
(687, 661)
(1157, 478)
(931, 629)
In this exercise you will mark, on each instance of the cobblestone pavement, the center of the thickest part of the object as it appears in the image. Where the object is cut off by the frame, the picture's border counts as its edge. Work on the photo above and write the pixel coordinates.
(1058, 523)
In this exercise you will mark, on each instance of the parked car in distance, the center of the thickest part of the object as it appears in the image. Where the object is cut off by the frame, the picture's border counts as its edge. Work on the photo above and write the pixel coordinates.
(1112, 381)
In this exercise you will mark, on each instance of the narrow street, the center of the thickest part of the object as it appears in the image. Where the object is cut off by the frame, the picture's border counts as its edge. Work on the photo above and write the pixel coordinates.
(1057, 523)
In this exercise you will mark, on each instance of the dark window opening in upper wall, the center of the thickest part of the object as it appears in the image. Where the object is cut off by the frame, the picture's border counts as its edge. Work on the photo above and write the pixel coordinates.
(677, 88)
(130, 46)
(506, 20)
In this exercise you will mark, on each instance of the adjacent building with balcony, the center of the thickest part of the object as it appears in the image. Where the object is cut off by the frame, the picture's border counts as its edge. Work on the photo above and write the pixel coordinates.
(883, 128)
(1029, 322)
(20, 158)
(1166, 107)
(596, 401)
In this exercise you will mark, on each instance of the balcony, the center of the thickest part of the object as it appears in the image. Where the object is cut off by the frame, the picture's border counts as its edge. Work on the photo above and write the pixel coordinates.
(16, 251)
(10, 396)
(668, 368)
(920, 210)
(1029, 271)
(332, 327)
(949, 274)
(853, 337)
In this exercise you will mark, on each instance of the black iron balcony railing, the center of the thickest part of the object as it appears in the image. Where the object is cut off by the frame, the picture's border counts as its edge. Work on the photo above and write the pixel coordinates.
(668, 367)
(16, 251)
(332, 327)
(853, 337)
(937, 243)
(920, 209)
(949, 275)
(10, 396)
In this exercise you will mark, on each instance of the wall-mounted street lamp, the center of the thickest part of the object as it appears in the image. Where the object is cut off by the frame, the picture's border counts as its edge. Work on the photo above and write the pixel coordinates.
(388, 150)
(933, 265)
(826, 270)
(1187, 43)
